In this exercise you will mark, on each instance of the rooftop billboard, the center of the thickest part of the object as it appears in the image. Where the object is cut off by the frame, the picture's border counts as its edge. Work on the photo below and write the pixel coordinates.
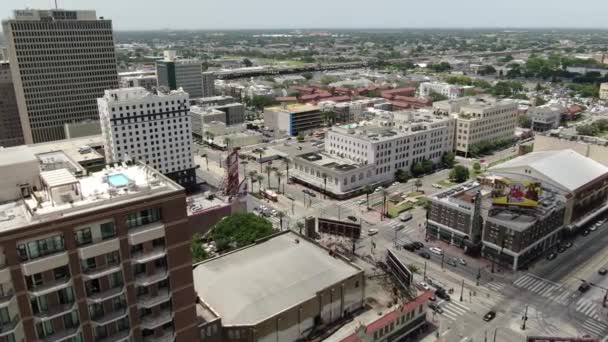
(512, 192)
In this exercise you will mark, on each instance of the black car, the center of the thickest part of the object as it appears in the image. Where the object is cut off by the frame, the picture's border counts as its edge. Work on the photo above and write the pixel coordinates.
(418, 244)
(435, 308)
(352, 218)
(410, 247)
(602, 271)
(452, 262)
(425, 255)
(586, 232)
(568, 244)
(584, 287)
(561, 249)
(551, 256)
(489, 316)
(440, 293)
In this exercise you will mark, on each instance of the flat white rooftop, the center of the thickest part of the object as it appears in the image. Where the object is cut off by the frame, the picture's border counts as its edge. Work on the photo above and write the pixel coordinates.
(72, 195)
(259, 281)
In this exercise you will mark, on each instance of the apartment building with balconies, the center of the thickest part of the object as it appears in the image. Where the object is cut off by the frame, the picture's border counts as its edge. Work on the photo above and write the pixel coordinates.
(100, 256)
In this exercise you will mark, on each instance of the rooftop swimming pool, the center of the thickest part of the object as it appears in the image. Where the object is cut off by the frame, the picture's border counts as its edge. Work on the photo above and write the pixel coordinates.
(118, 180)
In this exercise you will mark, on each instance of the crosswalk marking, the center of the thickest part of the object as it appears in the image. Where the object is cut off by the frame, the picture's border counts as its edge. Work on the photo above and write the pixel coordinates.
(453, 310)
(543, 288)
(594, 327)
(587, 308)
(496, 286)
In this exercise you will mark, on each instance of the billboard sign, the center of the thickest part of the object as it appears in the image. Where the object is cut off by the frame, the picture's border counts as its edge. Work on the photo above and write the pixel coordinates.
(511, 192)
(399, 269)
(341, 228)
(232, 173)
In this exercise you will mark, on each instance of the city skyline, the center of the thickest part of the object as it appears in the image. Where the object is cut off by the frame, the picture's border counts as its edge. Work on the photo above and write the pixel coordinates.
(336, 14)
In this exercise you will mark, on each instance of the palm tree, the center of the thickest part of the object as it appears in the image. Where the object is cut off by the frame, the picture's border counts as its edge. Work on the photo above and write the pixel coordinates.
(384, 206)
(300, 226)
(367, 190)
(259, 178)
(279, 174)
(418, 183)
(268, 169)
(324, 185)
(252, 175)
(227, 141)
(280, 215)
(260, 152)
(286, 163)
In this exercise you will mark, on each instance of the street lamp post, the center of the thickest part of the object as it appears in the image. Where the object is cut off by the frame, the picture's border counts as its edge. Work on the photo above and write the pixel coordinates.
(462, 290)
(424, 274)
(478, 275)
(442, 259)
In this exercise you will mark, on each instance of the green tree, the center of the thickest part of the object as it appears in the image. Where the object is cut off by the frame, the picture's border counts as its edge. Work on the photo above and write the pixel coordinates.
(461, 80)
(259, 178)
(540, 101)
(279, 175)
(413, 268)
(308, 75)
(448, 159)
(427, 166)
(328, 117)
(300, 137)
(477, 167)
(280, 215)
(196, 248)
(459, 174)
(300, 226)
(402, 176)
(417, 169)
(239, 230)
(268, 169)
(487, 70)
(252, 176)
(524, 121)
(247, 63)
(435, 96)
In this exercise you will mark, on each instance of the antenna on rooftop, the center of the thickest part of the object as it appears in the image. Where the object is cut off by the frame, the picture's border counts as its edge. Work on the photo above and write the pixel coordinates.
(56, 4)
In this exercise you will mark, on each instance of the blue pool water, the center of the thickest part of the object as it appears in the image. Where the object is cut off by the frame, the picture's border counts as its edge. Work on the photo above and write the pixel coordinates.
(118, 180)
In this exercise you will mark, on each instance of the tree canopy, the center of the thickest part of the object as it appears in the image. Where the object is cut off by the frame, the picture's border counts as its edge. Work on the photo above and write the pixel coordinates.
(459, 174)
(240, 229)
(198, 252)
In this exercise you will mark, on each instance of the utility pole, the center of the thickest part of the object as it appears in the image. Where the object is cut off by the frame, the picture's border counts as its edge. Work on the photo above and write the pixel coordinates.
(524, 319)
(442, 259)
(495, 330)
(462, 290)
(478, 275)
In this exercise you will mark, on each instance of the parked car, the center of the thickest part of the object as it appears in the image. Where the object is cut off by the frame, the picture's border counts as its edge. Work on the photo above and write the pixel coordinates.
(418, 244)
(395, 183)
(584, 287)
(378, 189)
(436, 308)
(551, 256)
(489, 316)
(452, 262)
(433, 298)
(462, 261)
(561, 249)
(405, 217)
(410, 247)
(436, 250)
(602, 271)
(372, 231)
(352, 218)
(568, 244)
(424, 286)
(586, 232)
(442, 294)
(362, 201)
(425, 255)
(436, 186)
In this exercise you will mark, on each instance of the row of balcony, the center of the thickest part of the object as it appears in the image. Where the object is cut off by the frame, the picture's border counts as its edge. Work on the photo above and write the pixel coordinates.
(135, 236)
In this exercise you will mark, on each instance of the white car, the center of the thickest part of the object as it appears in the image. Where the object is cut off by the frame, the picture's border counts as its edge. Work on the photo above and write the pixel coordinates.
(378, 189)
(424, 286)
(361, 201)
(395, 184)
(462, 261)
(436, 250)
(372, 231)
(436, 186)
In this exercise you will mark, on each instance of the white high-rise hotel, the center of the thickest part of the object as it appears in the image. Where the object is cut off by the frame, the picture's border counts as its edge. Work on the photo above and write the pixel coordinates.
(154, 128)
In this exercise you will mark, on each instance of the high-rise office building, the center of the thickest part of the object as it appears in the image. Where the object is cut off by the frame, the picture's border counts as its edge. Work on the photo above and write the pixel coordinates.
(174, 73)
(153, 128)
(61, 62)
(101, 256)
(208, 84)
(10, 125)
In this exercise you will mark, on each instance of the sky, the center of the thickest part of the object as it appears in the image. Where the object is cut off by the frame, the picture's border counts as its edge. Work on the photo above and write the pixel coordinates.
(289, 14)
